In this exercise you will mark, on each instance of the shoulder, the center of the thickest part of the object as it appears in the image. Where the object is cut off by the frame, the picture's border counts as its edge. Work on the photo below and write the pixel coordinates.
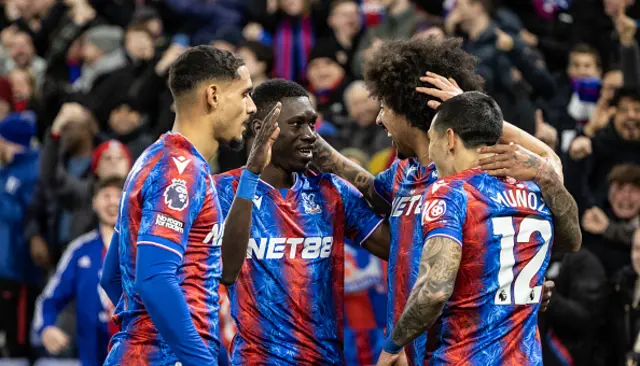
(82, 243)
(225, 178)
(317, 180)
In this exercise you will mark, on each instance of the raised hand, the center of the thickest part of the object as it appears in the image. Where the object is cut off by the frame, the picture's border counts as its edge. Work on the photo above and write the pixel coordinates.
(260, 154)
(595, 221)
(512, 161)
(580, 148)
(547, 293)
(388, 359)
(54, 340)
(444, 89)
(545, 132)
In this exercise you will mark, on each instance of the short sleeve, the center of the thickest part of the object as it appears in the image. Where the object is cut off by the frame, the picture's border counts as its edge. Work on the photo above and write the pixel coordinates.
(444, 211)
(171, 200)
(383, 182)
(360, 219)
(225, 190)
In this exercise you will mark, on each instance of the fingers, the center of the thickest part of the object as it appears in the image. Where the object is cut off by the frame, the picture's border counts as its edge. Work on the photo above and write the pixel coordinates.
(549, 285)
(270, 123)
(494, 159)
(454, 82)
(539, 117)
(439, 82)
(498, 172)
(498, 165)
(497, 149)
(437, 93)
(433, 104)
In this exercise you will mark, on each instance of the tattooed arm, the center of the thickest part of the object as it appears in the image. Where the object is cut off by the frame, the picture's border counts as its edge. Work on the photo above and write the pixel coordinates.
(521, 164)
(328, 160)
(436, 279)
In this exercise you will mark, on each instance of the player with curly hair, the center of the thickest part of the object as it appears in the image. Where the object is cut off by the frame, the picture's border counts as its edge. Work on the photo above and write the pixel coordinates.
(405, 77)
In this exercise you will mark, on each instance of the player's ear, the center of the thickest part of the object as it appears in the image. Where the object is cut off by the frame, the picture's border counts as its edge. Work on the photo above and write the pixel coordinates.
(256, 124)
(451, 139)
(213, 96)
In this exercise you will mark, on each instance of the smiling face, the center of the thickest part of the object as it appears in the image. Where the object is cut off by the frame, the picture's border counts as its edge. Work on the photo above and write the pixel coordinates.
(627, 118)
(399, 129)
(293, 150)
(624, 200)
(105, 204)
(235, 107)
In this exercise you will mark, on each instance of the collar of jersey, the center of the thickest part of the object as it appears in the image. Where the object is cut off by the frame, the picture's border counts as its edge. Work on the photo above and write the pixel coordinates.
(297, 184)
(193, 147)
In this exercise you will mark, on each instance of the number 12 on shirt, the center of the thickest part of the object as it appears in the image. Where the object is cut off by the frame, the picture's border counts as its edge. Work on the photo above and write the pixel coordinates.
(519, 292)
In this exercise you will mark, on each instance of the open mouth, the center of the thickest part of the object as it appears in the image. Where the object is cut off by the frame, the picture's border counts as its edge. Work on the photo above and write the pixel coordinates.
(306, 152)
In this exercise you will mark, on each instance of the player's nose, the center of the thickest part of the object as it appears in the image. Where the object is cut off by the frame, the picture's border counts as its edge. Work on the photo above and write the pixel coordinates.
(308, 134)
(251, 106)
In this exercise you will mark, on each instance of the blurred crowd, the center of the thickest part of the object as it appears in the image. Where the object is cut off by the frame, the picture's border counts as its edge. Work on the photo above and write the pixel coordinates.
(83, 92)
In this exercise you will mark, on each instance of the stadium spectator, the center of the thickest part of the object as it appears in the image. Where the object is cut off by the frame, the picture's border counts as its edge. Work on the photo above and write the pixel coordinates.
(568, 329)
(259, 60)
(623, 311)
(77, 278)
(611, 227)
(19, 277)
(22, 54)
(363, 133)
(345, 21)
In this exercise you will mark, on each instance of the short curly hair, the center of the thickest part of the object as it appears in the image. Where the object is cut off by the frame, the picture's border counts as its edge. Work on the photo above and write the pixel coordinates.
(199, 64)
(394, 72)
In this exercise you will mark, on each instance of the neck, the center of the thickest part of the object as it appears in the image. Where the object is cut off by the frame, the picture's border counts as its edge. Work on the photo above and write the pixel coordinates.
(344, 39)
(277, 177)
(191, 128)
(467, 159)
(422, 149)
(477, 25)
(106, 232)
(399, 7)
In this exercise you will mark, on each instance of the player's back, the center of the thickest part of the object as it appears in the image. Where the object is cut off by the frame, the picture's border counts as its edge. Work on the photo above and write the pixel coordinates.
(506, 235)
(168, 200)
(288, 298)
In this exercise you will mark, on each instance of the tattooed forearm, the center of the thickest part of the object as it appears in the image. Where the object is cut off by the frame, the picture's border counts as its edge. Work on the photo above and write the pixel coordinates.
(568, 236)
(438, 270)
(328, 160)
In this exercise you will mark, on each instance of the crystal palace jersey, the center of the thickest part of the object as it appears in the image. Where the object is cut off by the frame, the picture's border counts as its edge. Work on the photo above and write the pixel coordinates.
(506, 231)
(288, 299)
(402, 186)
(168, 201)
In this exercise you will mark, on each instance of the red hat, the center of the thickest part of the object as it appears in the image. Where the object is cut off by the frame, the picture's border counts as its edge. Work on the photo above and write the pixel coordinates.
(111, 144)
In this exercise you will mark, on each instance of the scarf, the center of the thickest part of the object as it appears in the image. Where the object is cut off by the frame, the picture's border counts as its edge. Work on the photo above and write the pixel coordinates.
(294, 39)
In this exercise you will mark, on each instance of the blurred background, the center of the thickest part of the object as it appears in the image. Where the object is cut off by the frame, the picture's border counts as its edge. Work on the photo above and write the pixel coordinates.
(83, 92)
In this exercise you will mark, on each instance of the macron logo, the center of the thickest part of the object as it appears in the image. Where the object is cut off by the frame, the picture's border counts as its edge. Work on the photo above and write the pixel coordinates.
(437, 185)
(257, 201)
(411, 170)
(181, 163)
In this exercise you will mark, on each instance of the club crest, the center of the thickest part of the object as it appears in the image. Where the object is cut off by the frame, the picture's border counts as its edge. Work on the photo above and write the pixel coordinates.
(176, 196)
(309, 203)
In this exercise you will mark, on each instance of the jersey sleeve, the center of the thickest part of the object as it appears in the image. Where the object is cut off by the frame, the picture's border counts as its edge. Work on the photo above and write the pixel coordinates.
(444, 211)
(226, 193)
(384, 182)
(171, 200)
(360, 219)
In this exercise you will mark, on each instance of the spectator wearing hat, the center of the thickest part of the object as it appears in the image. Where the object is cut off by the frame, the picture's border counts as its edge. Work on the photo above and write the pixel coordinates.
(327, 81)
(18, 275)
(102, 54)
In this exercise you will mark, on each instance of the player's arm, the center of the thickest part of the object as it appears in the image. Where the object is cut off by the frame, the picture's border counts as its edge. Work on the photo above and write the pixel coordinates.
(329, 160)
(237, 227)
(60, 290)
(447, 88)
(111, 280)
(443, 216)
(378, 243)
(517, 162)
(437, 276)
(161, 244)
(362, 224)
